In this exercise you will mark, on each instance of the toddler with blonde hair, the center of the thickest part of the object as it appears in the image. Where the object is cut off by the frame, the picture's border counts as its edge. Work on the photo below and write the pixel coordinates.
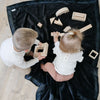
(13, 49)
(68, 52)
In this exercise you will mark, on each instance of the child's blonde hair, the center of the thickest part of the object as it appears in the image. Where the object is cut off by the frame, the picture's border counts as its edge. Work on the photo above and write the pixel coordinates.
(71, 41)
(24, 38)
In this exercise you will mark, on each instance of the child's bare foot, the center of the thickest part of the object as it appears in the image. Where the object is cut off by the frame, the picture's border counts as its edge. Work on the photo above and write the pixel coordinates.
(43, 68)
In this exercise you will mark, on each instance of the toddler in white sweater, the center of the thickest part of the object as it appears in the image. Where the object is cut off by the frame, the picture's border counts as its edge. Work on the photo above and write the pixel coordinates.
(68, 52)
(13, 49)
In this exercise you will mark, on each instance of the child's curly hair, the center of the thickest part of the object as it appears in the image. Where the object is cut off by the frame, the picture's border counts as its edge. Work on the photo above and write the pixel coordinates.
(71, 41)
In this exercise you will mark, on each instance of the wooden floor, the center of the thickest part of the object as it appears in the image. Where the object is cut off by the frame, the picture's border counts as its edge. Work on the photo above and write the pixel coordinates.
(13, 86)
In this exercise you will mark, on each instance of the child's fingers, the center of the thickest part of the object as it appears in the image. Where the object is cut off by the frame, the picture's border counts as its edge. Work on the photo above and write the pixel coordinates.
(40, 43)
(41, 57)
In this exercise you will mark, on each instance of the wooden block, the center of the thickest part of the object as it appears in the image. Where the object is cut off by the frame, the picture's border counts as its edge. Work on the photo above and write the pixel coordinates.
(52, 19)
(93, 54)
(39, 24)
(58, 22)
(62, 11)
(79, 16)
(86, 28)
(60, 34)
(67, 28)
(43, 50)
(53, 33)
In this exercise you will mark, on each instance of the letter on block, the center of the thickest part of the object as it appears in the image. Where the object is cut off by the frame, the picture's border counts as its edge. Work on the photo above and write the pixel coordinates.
(58, 22)
(39, 24)
(86, 28)
(43, 50)
(67, 28)
(79, 16)
(52, 19)
(62, 11)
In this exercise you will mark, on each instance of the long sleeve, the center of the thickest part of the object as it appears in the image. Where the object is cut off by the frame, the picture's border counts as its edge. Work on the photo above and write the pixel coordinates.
(27, 64)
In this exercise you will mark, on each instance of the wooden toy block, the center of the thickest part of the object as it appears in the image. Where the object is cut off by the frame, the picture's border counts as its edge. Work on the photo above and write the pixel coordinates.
(62, 11)
(60, 34)
(43, 50)
(58, 22)
(86, 28)
(39, 24)
(52, 19)
(79, 16)
(93, 54)
(67, 28)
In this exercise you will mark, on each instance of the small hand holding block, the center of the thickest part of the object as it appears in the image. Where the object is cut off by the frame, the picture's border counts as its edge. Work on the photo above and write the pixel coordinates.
(42, 49)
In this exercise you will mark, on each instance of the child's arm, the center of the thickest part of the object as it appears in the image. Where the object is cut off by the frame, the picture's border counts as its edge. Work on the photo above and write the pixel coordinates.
(56, 76)
(56, 35)
(26, 64)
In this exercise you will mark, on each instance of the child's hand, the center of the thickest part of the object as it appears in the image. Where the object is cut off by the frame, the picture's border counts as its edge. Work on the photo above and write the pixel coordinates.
(55, 34)
(43, 67)
(40, 57)
(40, 43)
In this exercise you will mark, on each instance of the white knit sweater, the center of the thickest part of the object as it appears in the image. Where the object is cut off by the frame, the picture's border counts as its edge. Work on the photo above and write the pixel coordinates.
(10, 57)
(65, 63)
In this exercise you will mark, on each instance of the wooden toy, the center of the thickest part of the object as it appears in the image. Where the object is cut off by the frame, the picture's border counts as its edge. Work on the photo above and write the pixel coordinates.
(79, 16)
(39, 24)
(62, 11)
(86, 28)
(67, 28)
(43, 50)
(52, 19)
(60, 34)
(93, 54)
(58, 22)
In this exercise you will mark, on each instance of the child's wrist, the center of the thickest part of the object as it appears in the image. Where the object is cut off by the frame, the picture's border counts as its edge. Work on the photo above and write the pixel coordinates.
(56, 39)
